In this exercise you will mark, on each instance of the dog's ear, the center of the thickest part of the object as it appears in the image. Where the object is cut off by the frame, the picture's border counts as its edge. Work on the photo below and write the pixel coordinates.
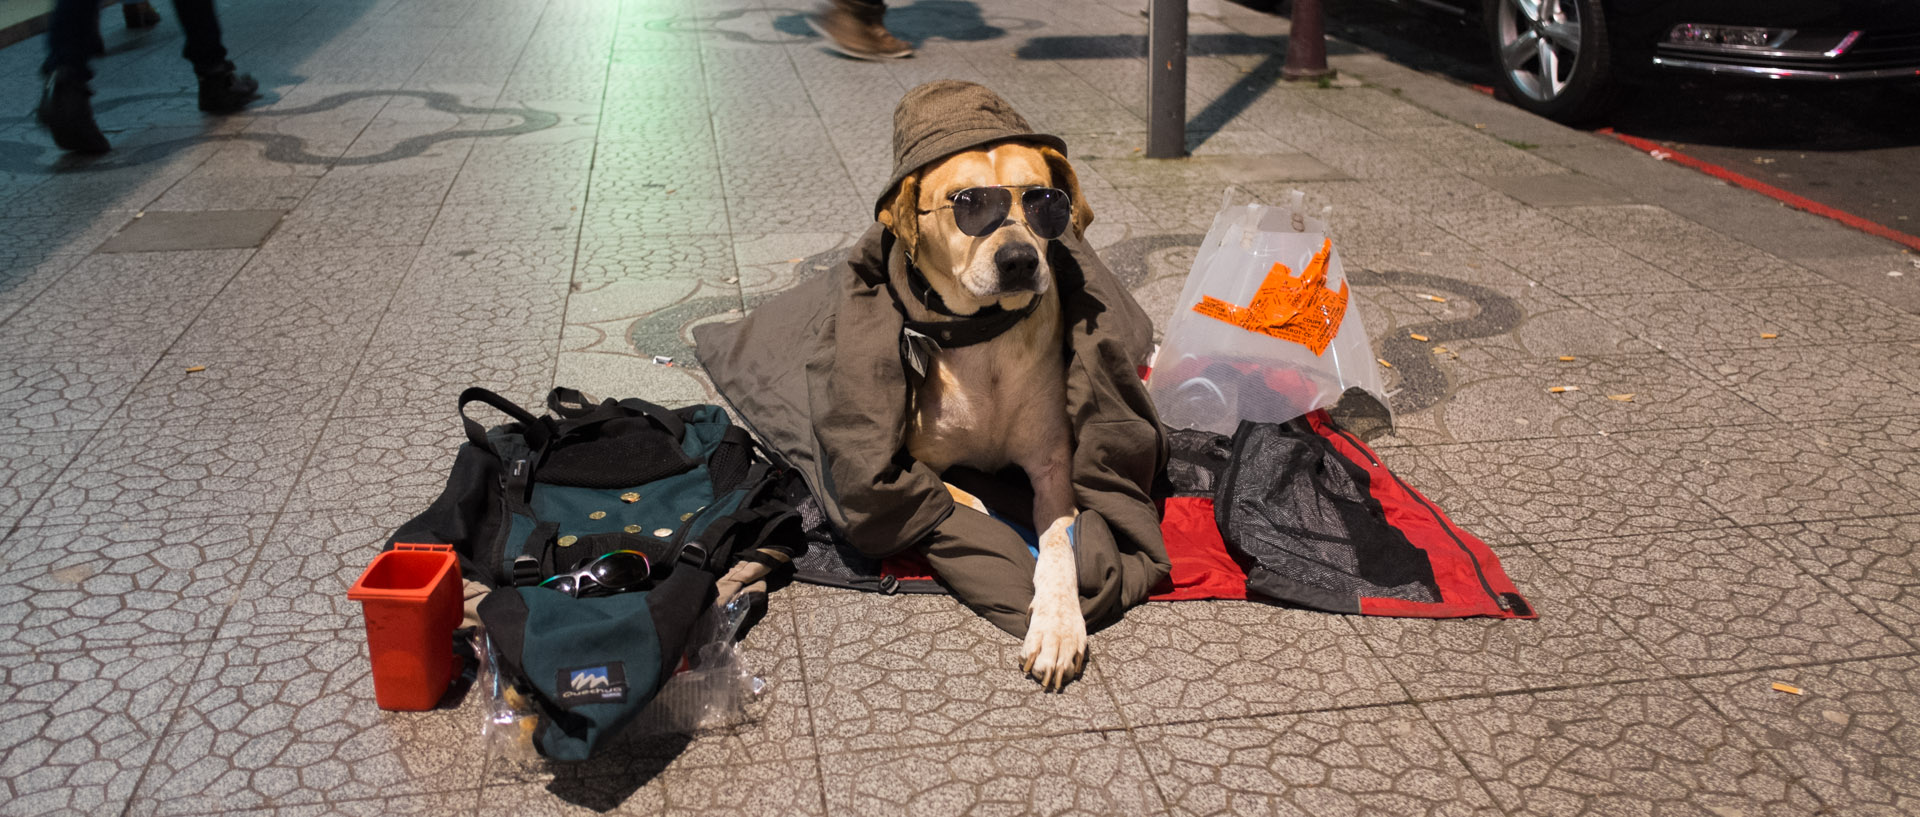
(1064, 178)
(901, 214)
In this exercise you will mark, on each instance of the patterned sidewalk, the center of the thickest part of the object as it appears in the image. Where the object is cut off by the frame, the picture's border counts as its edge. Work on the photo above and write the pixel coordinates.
(519, 193)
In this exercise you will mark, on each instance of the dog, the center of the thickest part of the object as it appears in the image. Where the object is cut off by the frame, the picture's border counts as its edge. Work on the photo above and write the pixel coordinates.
(1000, 402)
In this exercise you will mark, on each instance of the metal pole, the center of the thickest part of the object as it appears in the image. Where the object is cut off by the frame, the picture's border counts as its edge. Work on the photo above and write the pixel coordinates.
(1167, 79)
(1306, 42)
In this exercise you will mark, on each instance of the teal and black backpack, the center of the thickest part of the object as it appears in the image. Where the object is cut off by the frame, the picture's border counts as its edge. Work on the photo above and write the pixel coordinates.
(537, 500)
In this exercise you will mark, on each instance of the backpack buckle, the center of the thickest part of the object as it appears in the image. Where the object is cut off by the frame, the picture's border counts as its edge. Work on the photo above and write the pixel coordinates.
(526, 571)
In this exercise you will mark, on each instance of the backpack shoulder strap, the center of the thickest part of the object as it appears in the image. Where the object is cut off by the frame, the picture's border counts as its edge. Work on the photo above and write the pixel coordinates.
(536, 430)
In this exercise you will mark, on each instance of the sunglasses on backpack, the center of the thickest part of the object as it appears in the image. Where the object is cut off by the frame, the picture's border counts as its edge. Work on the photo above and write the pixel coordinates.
(616, 572)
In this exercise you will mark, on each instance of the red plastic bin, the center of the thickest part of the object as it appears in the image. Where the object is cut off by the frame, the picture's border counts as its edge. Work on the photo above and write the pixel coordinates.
(412, 599)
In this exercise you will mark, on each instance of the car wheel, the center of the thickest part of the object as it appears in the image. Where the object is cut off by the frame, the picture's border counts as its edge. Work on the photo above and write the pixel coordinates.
(1552, 56)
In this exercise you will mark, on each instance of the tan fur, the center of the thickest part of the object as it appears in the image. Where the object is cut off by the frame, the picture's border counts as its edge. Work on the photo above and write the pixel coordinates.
(1001, 402)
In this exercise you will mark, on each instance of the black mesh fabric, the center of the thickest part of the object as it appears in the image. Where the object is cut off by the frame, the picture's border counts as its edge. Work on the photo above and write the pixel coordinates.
(1197, 460)
(613, 454)
(729, 463)
(1301, 517)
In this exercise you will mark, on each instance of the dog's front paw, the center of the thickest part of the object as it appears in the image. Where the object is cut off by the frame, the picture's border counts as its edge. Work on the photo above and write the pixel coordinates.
(1056, 644)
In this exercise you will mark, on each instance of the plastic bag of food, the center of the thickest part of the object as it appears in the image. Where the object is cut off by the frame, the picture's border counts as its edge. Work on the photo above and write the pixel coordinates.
(1266, 328)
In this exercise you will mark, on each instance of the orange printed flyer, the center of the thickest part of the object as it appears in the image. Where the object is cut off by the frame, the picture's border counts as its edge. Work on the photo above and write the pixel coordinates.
(1302, 310)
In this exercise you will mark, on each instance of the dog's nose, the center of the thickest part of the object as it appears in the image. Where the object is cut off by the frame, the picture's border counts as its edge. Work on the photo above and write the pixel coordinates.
(1019, 266)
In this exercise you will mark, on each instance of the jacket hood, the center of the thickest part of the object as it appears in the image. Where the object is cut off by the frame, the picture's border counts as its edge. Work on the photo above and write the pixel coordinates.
(944, 117)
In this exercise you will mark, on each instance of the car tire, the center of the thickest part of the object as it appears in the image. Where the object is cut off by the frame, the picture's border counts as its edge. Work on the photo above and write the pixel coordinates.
(1532, 57)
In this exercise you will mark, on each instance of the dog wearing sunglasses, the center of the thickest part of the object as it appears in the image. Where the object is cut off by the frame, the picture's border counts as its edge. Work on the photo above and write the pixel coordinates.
(977, 225)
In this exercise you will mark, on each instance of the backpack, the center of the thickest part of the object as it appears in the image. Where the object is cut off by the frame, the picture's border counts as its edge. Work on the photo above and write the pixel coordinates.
(542, 497)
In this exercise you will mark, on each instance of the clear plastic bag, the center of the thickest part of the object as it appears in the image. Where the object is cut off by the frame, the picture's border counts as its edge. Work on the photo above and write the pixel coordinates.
(711, 689)
(1211, 372)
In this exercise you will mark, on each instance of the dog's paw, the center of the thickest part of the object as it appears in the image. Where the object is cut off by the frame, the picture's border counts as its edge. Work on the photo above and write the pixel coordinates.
(1056, 645)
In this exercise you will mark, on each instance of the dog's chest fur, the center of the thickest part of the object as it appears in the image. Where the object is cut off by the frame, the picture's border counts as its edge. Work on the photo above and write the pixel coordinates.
(994, 403)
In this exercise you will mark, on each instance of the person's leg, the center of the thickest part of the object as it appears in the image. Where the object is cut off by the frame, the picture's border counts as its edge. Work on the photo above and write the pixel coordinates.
(72, 32)
(204, 48)
(73, 37)
(221, 89)
(855, 28)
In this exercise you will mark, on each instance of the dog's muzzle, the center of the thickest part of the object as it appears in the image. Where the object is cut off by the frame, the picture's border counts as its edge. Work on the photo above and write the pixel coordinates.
(1018, 264)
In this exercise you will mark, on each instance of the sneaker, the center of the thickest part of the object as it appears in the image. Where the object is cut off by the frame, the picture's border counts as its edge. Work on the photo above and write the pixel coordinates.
(855, 29)
(223, 91)
(140, 15)
(67, 114)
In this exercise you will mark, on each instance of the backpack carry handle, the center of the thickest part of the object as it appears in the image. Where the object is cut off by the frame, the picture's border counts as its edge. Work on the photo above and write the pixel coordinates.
(572, 404)
(536, 431)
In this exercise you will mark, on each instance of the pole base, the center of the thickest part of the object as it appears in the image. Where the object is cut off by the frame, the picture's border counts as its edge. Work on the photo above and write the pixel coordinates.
(1291, 74)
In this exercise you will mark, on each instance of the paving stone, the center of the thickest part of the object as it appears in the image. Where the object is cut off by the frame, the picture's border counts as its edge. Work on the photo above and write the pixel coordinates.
(110, 304)
(283, 385)
(129, 473)
(1809, 315)
(403, 460)
(65, 395)
(1811, 382)
(1572, 487)
(1084, 774)
(1851, 736)
(425, 313)
(1792, 471)
(289, 720)
(905, 671)
(304, 567)
(1572, 642)
(660, 787)
(354, 225)
(1589, 270)
(1717, 600)
(255, 193)
(125, 584)
(1557, 190)
(1872, 562)
(339, 299)
(1649, 748)
(80, 726)
(1363, 761)
(427, 380)
(1222, 659)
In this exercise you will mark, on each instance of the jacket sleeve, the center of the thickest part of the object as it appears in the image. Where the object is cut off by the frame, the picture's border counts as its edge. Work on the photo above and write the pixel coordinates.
(1120, 449)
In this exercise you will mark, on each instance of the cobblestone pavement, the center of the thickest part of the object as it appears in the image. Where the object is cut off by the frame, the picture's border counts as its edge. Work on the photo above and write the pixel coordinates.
(520, 193)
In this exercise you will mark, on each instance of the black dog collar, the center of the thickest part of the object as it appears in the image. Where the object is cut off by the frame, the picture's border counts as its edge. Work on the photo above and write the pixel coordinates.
(963, 330)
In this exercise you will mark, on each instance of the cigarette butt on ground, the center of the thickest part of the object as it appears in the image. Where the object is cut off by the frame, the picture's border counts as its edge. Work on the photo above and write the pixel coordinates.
(1620, 398)
(1434, 298)
(1439, 350)
(1383, 362)
(1788, 688)
(1769, 335)
(193, 369)
(1566, 358)
(795, 260)
(1421, 338)
(1559, 389)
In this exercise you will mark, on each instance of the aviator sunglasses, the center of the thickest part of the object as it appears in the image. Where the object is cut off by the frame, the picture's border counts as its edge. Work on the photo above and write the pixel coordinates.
(616, 572)
(978, 211)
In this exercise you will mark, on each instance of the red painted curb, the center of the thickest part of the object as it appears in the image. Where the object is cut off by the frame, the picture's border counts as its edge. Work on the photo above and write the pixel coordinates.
(1790, 199)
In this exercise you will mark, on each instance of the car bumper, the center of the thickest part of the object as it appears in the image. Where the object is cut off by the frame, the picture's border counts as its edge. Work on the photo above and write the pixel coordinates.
(1763, 71)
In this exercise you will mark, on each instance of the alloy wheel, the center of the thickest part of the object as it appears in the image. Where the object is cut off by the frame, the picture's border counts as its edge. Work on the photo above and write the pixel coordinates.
(1539, 45)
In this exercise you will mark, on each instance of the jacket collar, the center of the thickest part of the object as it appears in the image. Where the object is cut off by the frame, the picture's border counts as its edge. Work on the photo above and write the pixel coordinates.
(952, 331)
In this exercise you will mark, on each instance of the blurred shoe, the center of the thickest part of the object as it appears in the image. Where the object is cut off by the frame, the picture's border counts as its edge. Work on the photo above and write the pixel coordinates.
(68, 115)
(855, 29)
(223, 91)
(140, 15)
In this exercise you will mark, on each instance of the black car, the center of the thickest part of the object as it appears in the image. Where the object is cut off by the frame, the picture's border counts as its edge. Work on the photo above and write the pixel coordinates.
(1566, 59)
